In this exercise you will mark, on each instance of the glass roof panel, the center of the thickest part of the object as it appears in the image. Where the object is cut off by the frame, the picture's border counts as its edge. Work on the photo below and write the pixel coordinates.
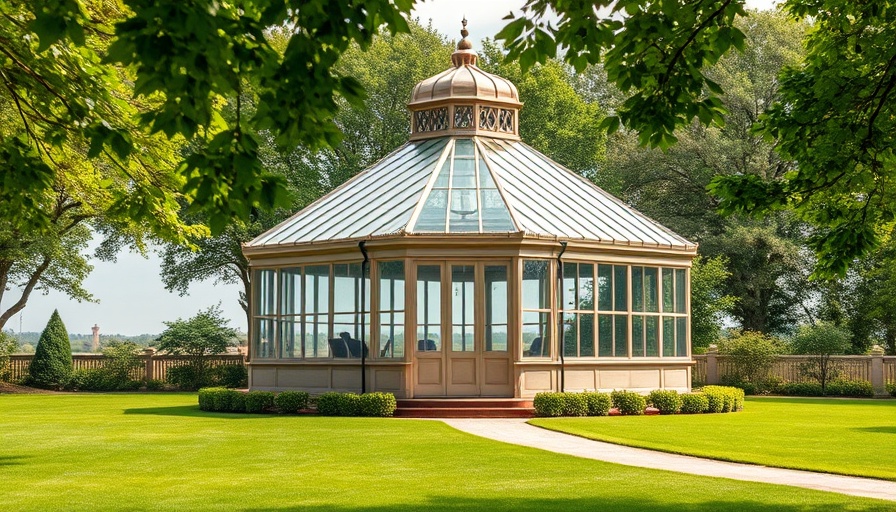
(463, 147)
(442, 178)
(432, 215)
(495, 216)
(464, 211)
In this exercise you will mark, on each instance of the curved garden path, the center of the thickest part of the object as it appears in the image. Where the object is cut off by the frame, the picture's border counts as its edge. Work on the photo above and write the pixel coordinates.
(517, 431)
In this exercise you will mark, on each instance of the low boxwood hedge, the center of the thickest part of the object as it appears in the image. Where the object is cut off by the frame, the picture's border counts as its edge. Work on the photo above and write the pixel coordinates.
(853, 388)
(628, 403)
(599, 404)
(667, 401)
(694, 403)
(291, 402)
(549, 404)
(259, 401)
(377, 404)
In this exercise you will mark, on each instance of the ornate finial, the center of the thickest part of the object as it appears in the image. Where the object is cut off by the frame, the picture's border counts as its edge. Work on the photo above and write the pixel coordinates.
(464, 43)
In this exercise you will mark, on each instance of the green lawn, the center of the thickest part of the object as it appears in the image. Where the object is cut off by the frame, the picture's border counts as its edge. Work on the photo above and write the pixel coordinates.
(159, 452)
(850, 437)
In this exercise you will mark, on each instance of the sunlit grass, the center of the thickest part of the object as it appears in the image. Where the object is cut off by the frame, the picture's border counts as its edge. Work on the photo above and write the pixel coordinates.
(851, 437)
(159, 452)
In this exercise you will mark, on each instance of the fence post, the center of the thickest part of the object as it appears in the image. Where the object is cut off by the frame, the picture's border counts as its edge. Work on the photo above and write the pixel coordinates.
(148, 355)
(877, 371)
(712, 364)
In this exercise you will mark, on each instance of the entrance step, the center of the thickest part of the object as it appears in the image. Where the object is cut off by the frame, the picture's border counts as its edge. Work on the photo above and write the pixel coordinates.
(465, 408)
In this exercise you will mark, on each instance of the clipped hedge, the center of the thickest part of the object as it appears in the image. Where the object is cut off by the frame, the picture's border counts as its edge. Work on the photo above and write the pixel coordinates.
(694, 403)
(801, 389)
(629, 403)
(377, 404)
(667, 401)
(853, 388)
(724, 398)
(290, 402)
(259, 401)
(599, 404)
(548, 404)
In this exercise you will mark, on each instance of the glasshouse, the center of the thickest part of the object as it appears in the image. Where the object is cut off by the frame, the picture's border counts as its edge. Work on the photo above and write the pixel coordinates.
(467, 264)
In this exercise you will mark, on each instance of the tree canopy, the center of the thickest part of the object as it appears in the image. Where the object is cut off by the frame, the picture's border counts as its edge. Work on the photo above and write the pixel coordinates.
(833, 119)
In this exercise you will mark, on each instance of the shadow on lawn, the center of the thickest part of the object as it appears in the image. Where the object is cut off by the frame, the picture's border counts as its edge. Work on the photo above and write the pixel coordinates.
(188, 411)
(879, 430)
(626, 503)
(11, 460)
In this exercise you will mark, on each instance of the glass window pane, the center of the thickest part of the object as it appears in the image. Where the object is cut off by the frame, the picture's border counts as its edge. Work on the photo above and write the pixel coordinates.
(605, 335)
(652, 335)
(496, 299)
(536, 288)
(463, 211)
(444, 172)
(462, 306)
(605, 288)
(570, 334)
(668, 336)
(536, 334)
(569, 288)
(391, 335)
(290, 339)
(264, 339)
(429, 307)
(586, 335)
(680, 290)
(620, 338)
(651, 289)
(495, 216)
(463, 147)
(434, 212)
(668, 290)
(290, 291)
(682, 337)
(316, 336)
(317, 289)
(265, 292)
(637, 336)
(485, 177)
(464, 173)
(586, 286)
(638, 288)
(620, 287)
(391, 285)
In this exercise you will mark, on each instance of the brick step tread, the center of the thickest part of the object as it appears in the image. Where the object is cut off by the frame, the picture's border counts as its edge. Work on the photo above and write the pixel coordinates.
(448, 412)
(456, 404)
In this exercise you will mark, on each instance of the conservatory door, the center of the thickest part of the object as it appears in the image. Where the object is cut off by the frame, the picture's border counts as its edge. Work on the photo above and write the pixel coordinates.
(462, 348)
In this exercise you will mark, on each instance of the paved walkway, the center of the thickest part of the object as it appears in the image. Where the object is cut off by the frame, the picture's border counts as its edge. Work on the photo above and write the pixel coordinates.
(517, 431)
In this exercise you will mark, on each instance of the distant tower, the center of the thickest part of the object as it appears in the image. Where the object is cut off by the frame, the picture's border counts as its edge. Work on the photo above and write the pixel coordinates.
(96, 338)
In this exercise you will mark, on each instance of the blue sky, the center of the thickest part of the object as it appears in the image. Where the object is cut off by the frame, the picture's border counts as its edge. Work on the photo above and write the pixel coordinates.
(132, 299)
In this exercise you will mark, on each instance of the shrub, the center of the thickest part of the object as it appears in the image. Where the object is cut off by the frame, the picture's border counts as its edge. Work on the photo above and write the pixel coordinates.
(8, 345)
(231, 376)
(668, 401)
(598, 403)
(574, 404)
(629, 402)
(348, 404)
(694, 403)
(724, 398)
(856, 388)
(52, 363)
(186, 377)
(237, 401)
(93, 379)
(328, 403)
(891, 388)
(377, 404)
(751, 354)
(548, 404)
(801, 389)
(291, 401)
(121, 360)
(207, 398)
(202, 335)
(259, 401)
(819, 342)
(154, 385)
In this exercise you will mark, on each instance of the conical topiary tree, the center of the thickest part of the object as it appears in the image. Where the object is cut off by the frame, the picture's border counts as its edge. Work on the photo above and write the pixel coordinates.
(52, 363)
